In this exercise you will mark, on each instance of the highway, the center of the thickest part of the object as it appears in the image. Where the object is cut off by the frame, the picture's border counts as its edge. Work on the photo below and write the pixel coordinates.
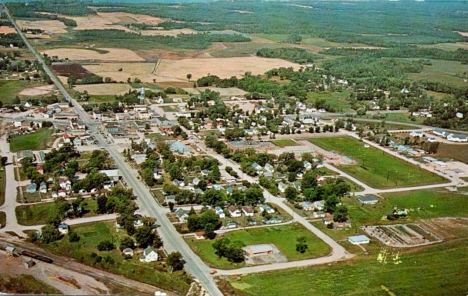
(173, 241)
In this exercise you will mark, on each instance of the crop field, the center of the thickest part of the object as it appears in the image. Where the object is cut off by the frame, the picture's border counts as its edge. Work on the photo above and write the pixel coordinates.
(221, 67)
(241, 49)
(447, 46)
(93, 233)
(113, 20)
(377, 168)
(283, 237)
(35, 141)
(48, 26)
(71, 69)
(142, 71)
(97, 54)
(104, 89)
(9, 89)
(442, 71)
(453, 151)
(419, 273)
(7, 30)
(173, 32)
(285, 142)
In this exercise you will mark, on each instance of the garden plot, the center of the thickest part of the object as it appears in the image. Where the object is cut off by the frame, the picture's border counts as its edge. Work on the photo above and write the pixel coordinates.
(402, 235)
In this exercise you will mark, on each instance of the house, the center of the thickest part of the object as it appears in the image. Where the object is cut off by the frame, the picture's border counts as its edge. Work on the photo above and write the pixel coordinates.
(257, 167)
(282, 187)
(77, 142)
(358, 239)
(108, 185)
(20, 155)
(66, 138)
(431, 139)
(319, 205)
(54, 194)
(179, 147)
(43, 187)
(259, 250)
(61, 193)
(65, 184)
(307, 205)
(457, 138)
(31, 188)
(149, 255)
(440, 132)
(267, 209)
(127, 252)
(200, 234)
(138, 158)
(368, 199)
(459, 115)
(231, 224)
(182, 215)
(170, 199)
(248, 211)
(319, 214)
(269, 168)
(234, 212)
(114, 175)
(63, 228)
(274, 220)
(219, 211)
(416, 134)
(195, 181)
(307, 165)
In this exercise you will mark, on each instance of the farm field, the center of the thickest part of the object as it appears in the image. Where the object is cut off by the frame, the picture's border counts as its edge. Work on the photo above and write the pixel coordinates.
(9, 89)
(420, 273)
(241, 49)
(453, 151)
(38, 214)
(93, 233)
(222, 67)
(104, 89)
(284, 143)
(37, 91)
(38, 140)
(48, 26)
(7, 30)
(173, 32)
(442, 71)
(112, 20)
(375, 167)
(283, 237)
(402, 117)
(95, 54)
(143, 71)
(446, 46)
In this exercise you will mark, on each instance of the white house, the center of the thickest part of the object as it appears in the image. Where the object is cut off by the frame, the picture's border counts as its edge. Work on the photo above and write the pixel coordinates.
(416, 134)
(459, 115)
(307, 165)
(269, 168)
(457, 138)
(282, 187)
(248, 211)
(266, 208)
(234, 212)
(149, 255)
(319, 205)
(182, 215)
(219, 211)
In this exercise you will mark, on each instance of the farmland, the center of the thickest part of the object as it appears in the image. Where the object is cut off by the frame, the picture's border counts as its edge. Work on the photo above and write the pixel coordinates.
(376, 168)
(95, 54)
(283, 237)
(71, 69)
(104, 89)
(37, 140)
(420, 273)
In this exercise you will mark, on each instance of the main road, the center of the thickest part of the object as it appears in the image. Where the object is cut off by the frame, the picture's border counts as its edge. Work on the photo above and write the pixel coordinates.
(173, 241)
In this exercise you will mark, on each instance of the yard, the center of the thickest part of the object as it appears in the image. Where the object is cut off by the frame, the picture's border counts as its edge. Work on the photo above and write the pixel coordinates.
(375, 167)
(38, 214)
(437, 270)
(283, 237)
(284, 143)
(9, 89)
(336, 100)
(38, 140)
(86, 252)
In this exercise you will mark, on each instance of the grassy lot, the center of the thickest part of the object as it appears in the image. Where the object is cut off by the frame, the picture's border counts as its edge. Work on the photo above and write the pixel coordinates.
(284, 142)
(2, 219)
(38, 140)
(337, 100)
(93, 233)
(442, 71)
(26, 284)
(39, 213)
(2, 186)
(438, 270)
(9, 89)
(377, 168)
(283, 237)
(453, 151)
(402, 117)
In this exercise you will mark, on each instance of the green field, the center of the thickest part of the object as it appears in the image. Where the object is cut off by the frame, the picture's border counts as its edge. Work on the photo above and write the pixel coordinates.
(2, 186)
(442, 71)
(402, 117)
(9, 89)
(438, 270)
(26, 284)
(38, 140)
(337, 100)
(93, 233)
(283, 237)
(38, 214)
(453, 151)
(284, 142)
(376, 167)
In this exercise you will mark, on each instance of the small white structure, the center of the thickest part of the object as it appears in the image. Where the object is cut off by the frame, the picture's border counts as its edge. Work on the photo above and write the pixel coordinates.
(234, 212)
(358, 239)
(266, 208)
(63, 228)
(128, 252)
(219, 211)
(149, 255)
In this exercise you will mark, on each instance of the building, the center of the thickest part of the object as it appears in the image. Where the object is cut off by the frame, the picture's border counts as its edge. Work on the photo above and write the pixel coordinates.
(457, 138)
(248, 211)
(31, 188)
(43, 187)
(282, 187)
(63, 228)
(266, 208)
(234, 212)
(307, 205)
(77, 142)
(358, 239)
(179, 147)
(138, 158)
(259, 250)
(219, 211)
(182, 215)
(368, 199)
(127, 252)
(114, 175)
(149, 255)
(231, 225)
(20, 155)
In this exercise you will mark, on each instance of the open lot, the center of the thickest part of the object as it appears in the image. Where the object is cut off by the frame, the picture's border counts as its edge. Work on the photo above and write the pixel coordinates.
(419, 273)
(93, 233)
(283, 237)
(95, 54)
(453, 151)
(377, 168)
(37, 91)
(224, 92)
(48, 26)
(285, 142)
(104, 89)
(336, 100)
(38, 140)
(9, 89)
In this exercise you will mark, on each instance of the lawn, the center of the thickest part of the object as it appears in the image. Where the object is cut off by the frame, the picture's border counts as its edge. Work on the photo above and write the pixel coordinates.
(9, 89)
(38, 214)
(2, 186)
(26, 284)
(402, 117)
(38, 140)
(86, 252)
(2, 219)
(437, 270)
(376, 167)
(284, 143)
(283, 237)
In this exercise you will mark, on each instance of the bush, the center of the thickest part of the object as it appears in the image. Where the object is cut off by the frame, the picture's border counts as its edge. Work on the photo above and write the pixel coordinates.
(73, 237)
(105, 246)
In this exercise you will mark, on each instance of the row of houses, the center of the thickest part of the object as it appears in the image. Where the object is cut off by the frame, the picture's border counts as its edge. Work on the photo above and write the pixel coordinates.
(450, 136)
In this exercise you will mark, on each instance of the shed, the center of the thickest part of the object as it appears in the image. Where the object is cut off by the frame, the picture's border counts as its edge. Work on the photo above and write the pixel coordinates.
(368, 199)
(358, 239)
(259, 250)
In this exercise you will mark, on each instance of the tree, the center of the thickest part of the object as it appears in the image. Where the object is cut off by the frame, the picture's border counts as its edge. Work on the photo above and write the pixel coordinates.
(232, 251)
(309, 180)
(144, 236)
(71, 81)
(189, 76)
(105, 245)
(73, 237)
(50, 234)
(301, 245)
(290, 193)
(175, 262)
(331, 202)
(341, 214)
(101, 204)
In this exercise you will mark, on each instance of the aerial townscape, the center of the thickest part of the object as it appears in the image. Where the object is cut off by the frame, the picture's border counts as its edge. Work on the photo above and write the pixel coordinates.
(208, 148)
